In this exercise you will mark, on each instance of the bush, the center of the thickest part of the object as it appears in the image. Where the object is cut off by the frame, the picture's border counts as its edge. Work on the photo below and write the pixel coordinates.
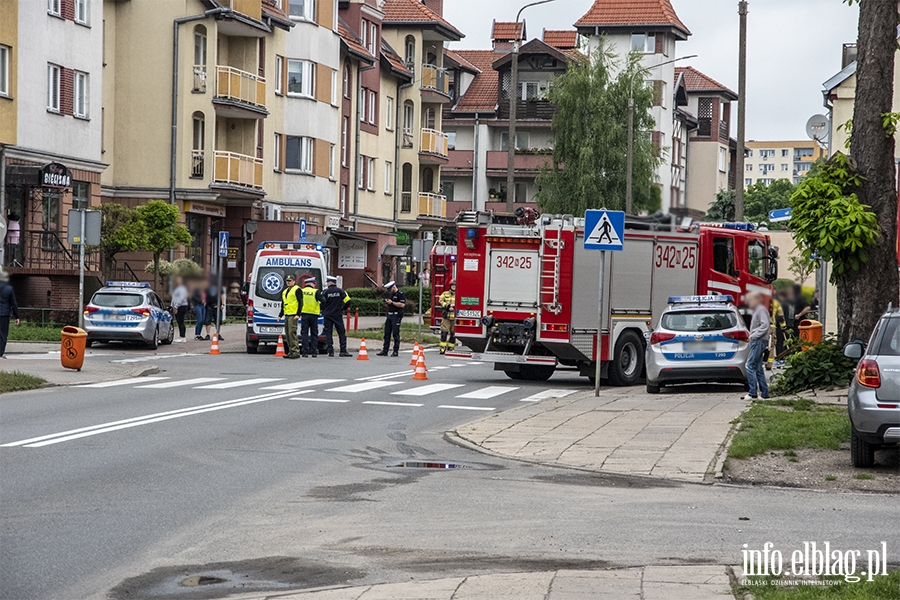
(166, 269)
(185, 267)
(822, 366)
(782, 283)
(370, 301)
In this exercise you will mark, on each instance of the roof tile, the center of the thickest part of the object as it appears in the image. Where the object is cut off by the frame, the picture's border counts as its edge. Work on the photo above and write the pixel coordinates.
(695, 81)
(632, 12)
(413, 11)
(483, 92)
(561, 39)
(352, 41)
(506, 31)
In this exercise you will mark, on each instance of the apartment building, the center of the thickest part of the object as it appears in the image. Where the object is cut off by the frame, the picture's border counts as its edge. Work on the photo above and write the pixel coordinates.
(51, 155)
(477, 120)
(767, 161)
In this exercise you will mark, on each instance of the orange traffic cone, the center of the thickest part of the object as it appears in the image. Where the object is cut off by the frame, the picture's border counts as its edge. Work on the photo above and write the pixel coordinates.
(363, 353)
(415, 355)
(215, 344)
(420, 374)
(279, 349)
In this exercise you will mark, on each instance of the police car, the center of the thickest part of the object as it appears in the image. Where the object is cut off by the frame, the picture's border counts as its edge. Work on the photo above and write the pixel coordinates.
(698, 338)
(128, 311)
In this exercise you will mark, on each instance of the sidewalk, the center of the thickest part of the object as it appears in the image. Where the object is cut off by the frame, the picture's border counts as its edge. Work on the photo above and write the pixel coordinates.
(41, 359)
(625, 431)
(702, 582)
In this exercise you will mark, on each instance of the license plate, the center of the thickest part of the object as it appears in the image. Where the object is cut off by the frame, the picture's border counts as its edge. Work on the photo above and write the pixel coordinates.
(271, 329)
(700, 347)
(469, 314)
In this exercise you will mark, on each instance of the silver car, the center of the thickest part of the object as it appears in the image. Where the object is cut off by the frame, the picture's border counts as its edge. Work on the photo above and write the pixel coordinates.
(698, 338)
(128, 311)
(873, 400)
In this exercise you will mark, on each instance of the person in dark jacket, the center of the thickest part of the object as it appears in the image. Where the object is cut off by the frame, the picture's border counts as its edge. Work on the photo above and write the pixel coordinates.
(394, 303)
(8, 308)
(334, 299)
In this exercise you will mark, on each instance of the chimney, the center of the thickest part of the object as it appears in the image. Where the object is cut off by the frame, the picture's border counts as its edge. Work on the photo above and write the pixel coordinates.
(435, 5)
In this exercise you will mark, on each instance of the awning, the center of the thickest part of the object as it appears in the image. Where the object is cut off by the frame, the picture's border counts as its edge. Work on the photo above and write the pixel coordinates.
(392, 250)
(326, 240)
(344, 235)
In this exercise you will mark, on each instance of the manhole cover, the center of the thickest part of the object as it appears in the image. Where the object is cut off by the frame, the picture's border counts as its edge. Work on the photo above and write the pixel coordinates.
(412, 464)
(198, 580)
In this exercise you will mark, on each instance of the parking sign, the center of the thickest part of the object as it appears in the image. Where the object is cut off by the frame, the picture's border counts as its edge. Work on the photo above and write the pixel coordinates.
(302, 230)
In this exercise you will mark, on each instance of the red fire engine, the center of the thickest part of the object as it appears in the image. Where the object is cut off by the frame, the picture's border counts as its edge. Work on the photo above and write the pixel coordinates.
(528, 294)
(443, 271)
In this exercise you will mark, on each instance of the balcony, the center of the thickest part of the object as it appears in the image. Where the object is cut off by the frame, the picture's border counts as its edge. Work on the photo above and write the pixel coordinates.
(434, 147)
(435, 84)
(238, 171)
(46, 252)
(199, 86)
(239, 94)
(527, 163)
(432, 206)
(197, 164)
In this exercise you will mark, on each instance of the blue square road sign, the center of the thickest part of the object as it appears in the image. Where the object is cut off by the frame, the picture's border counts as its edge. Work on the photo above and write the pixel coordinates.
(223, 244)
(604, 229)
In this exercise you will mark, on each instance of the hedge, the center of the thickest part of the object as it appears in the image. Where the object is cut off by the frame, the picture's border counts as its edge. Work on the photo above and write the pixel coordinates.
(370, 301)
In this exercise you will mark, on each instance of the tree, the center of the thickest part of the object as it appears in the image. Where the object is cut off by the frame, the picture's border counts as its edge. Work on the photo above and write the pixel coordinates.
(799, 265)
(863, 295)
(590, 138)
(722, 208)
(759, 199)
(160, 220)
(121, 230)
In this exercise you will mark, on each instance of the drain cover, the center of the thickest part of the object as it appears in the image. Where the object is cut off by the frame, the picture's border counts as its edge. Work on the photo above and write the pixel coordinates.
(198, 580)
(412, 464)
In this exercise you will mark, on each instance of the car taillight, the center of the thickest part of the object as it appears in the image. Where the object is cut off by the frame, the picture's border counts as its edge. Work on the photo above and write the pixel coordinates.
(867, 374)
(466, 322)
(741, 335)
(660, 336)
(144, 312)
(90, 309)
(249, 312)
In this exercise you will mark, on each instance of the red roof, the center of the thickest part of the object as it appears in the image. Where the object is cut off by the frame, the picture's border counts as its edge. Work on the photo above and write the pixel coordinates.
(394, 59)
(564, 39)
(621, 13)
(695, 81)
(353, 42)
(413, 11)
(506, 31)
(483, 91)
(462, 62)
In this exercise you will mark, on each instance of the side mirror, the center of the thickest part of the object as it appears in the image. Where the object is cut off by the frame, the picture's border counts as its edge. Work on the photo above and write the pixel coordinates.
(854, 350)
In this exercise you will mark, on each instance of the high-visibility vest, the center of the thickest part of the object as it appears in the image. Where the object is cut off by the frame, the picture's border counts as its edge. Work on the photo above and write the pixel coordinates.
(311, 304)
(448, 300)
(289, 298)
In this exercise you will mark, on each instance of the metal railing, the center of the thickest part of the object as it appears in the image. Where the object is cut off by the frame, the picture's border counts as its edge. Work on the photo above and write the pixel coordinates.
(123, 272)
(432, 205)
(240, 86)
(37, 249)
(435, 79)
(435, 142)
(238, 169)
(406, 202)
(199, 78)
(196, 163)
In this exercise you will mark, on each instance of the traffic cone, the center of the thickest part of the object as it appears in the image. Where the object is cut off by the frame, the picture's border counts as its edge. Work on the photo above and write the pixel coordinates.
(420, 374)
(279, 349)
(415, 355)
(215, 344)
(363, 353)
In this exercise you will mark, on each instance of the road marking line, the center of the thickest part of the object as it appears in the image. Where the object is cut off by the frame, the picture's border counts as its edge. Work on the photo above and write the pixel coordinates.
(438, 368)
(301, 384)
(427, 389)
(319, 400)
(179, 383)
(156, 357)
(131, 380)
(489, 392)
(457, 365)
(63, 436)
(363, 387)
(241, 383)
(548, 394)
(391, 403)
(387, 376)
(475, 362)
(464, 407)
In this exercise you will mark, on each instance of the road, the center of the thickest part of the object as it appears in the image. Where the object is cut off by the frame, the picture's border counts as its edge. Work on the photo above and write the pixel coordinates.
(274, 474)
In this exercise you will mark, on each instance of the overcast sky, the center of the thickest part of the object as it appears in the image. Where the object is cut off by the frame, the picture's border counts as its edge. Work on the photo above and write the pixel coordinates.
(794, 46)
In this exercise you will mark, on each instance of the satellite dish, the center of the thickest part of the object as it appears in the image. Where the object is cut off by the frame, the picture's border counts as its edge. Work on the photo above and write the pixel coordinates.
(818, 128)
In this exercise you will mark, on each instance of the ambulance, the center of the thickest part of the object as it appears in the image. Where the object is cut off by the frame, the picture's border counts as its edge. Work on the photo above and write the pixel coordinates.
(274, 262)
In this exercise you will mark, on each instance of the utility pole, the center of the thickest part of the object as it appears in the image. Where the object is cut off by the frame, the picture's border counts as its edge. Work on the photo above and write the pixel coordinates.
(742, 115)
(513, 99)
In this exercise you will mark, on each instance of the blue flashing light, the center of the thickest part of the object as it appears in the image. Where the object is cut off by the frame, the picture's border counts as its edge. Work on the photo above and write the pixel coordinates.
(735, 226)
(471, 234)
(700, 299)
(452, 258)
(128, 284)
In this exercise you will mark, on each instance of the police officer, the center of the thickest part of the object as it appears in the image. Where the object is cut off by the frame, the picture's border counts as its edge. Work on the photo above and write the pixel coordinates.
(395, 303)
(333, 303)
(290, 306)
(448, 318)
(309, 318)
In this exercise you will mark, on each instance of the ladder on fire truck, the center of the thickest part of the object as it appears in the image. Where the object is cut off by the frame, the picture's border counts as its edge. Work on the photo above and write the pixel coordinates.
(551, 250)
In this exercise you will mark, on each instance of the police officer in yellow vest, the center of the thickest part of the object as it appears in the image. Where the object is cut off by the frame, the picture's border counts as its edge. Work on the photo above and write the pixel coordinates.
(290, 306)
(448, 318)
(309, 318)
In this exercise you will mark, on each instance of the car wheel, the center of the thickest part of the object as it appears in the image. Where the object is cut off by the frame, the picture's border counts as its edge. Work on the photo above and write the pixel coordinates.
(862, 453)
(628, 360)
(536, 372)
(252, 348)
(88, 343)
(171, 337)
(653, 388)
(154, 344)
(514, 375)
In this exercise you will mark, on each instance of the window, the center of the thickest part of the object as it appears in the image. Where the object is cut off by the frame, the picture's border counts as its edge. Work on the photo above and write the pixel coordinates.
(748, 182)
(277, 154)
(408, 124)
(766, 153)
(723, 255)
(363, 96)
(331, 161)
(749, 168)
(364, 33)
(528, 91)
(409, 56)
(80, 95)
(370, 175)
(723, 160)
(756, 254)
(451, 140)
(80, 194)
(766, 168)
(4, 70)
(197, 143)
(343, 192)
(53, 81)
(389, 114)
(53, 7)
(199, 59)
(373, 38)
(373, 104)
(345, 142)
(298, 155)
(303, 9)
(279, 69)
(645, 43)
(784, 166)
(360, 172)
(766, 182)
(301, 78)
(388, 177)
(81, 12)
(784, 153)
(334, 87)
(749, 153)
(346, 83)
(523, 139)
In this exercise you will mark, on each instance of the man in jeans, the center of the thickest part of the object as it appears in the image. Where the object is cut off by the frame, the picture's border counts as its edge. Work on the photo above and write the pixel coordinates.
(8, 308)
(759, 341)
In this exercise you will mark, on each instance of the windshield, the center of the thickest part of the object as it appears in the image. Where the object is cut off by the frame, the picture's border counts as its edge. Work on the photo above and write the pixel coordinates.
(270, 280)
(890, 339)
(700, 320)
(112, 300)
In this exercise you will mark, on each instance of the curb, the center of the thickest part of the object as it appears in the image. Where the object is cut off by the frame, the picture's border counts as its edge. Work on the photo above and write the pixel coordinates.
(722, 452)
(735, 585)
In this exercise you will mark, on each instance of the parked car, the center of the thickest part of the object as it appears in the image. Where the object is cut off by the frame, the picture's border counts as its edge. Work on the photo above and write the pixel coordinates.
(128, 311)
(873, 400)
(698, 338)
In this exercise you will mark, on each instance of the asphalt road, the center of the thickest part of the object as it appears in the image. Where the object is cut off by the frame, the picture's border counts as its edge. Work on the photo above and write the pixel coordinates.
(272, 474)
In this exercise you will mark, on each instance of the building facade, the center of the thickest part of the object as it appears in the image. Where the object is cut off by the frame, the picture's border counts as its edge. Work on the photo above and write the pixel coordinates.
(766, 162)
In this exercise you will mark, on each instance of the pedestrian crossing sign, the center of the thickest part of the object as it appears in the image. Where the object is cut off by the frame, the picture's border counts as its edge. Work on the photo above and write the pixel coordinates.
(604, 229)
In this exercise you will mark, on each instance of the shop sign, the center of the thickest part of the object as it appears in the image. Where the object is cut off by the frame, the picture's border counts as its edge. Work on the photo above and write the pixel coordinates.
(56, 175)
(199, 208)
(351, 254)
(403, 238)
(333, 222)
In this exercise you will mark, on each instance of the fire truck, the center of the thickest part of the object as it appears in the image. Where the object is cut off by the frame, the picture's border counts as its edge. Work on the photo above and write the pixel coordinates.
(528, 293)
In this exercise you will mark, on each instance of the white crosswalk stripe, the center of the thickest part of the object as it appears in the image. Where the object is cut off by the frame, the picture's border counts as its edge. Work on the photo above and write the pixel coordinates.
(107, 384)
(301, 384)
(240, 383)
(425, 390)
(329, 400)
(465, 407)
(365, 386)
(180, 383)
(547, 394)
(391, 403)
(488, 392)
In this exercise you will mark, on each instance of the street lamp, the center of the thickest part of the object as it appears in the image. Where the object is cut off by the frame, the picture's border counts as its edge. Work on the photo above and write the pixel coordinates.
(513, 98)
(629, 157)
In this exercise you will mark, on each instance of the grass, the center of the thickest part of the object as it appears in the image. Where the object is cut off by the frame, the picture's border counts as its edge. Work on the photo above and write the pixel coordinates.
(884, 587)
(409, 333)
(863, 476)
(789, 425)
(16, 381)
(29, 332)
(830, 478)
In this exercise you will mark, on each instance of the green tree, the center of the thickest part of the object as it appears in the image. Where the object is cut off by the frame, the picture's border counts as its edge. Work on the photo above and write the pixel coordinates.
(160, 220)
(759, 199)
(799, 265)
(590, 138)
(121, 230)
(722, 208)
